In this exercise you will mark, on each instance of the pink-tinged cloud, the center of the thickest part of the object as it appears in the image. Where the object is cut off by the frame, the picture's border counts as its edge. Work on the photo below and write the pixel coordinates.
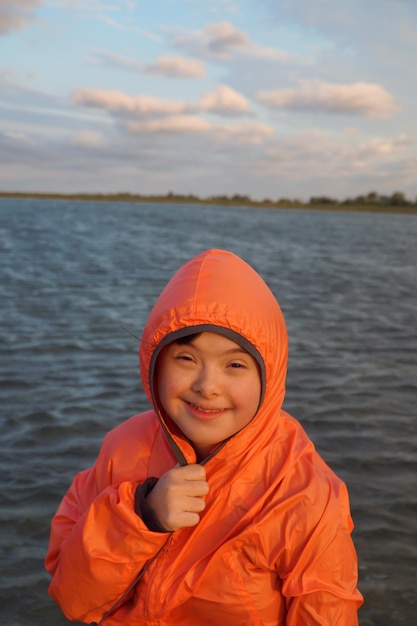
(171, 67)
(224, 100)
(224, 41)
(244, 132)
(16, 15)
(366, 99)
(173, 125)
(223, 37)
(177, 67)
(89, 140)
(298, 157)
(148, 115)
(251, 132)
(121, 103)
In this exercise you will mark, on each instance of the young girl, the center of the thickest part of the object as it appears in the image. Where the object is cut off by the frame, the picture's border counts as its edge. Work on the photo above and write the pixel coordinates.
(213, 507)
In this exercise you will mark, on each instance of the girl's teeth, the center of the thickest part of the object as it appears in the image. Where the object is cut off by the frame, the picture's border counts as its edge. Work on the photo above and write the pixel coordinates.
(199, 408)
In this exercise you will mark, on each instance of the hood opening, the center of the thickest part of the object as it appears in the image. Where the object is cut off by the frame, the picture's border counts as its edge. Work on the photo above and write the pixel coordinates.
(191, 330)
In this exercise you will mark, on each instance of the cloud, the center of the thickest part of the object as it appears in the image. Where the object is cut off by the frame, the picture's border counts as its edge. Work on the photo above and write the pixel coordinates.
(252, 132)
(148, 115)
(338, 21)
(145, 115)
(181, 124)
(17, 136)
(223, 40)
(89, 140)
(16, 15)
(177, 67)
(121, 103)
(171, 67)
(366, 99)
(118, 61)
(243, 157)
(333, 161)
(244, 132)
(224, 100)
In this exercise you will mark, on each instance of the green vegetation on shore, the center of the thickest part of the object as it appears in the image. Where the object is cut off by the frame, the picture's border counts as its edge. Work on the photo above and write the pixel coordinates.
(372, 202)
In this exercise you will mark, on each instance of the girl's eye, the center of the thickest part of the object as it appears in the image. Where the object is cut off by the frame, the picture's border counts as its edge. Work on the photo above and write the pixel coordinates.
(183, 357)
(237, 365)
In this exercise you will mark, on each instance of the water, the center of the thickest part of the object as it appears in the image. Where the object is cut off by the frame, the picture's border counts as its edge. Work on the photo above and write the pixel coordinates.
(73, 273)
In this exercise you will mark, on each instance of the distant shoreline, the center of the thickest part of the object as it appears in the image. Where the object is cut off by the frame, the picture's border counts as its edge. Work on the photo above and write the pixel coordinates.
(370, 204)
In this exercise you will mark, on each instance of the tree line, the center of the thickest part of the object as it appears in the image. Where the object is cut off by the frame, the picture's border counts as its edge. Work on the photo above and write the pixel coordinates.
(372, 201)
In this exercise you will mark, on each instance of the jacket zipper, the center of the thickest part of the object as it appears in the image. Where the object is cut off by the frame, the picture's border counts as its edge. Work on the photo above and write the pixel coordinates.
(164, 549)
(132, 585)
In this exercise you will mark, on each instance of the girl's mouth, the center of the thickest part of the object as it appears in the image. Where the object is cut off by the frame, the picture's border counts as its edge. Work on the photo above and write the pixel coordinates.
(204, 413)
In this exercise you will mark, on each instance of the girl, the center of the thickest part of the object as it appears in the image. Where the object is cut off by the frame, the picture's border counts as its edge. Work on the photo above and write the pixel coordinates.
(213, 507)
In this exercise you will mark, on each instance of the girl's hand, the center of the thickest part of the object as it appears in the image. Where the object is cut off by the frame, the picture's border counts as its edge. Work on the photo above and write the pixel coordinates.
(178, 496)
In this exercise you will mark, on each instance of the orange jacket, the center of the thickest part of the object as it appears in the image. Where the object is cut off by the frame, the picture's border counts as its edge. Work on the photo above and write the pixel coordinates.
(273, 545)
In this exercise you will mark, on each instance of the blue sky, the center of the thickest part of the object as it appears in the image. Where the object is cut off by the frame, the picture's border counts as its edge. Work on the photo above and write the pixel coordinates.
(267, 98)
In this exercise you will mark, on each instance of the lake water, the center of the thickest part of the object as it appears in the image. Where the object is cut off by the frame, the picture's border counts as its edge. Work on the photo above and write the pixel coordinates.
(73, 273)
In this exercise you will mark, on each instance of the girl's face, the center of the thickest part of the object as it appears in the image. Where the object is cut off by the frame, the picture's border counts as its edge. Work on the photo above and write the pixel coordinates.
(210, 387)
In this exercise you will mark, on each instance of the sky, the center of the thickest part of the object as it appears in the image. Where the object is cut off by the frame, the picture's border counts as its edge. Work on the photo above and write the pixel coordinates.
(267, 98)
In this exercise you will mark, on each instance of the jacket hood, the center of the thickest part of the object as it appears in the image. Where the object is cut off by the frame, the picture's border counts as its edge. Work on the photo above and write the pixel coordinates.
(217, 291)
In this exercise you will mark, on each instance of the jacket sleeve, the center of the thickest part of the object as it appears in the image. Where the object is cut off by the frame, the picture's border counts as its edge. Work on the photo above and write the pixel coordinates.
(323, 589)
(322, 608)
(319, 563)
(98, 546)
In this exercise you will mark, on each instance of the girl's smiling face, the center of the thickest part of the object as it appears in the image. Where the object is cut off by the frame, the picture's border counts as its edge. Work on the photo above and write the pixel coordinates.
(210, 387)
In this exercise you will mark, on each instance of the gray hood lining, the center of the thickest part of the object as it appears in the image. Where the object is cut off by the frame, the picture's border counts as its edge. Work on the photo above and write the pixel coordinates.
(191, 330)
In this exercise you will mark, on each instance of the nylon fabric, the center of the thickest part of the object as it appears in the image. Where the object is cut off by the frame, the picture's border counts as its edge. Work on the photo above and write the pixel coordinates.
(273, 546)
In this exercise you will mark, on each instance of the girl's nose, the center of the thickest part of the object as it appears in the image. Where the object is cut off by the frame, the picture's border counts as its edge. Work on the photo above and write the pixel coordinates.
(206, 382)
